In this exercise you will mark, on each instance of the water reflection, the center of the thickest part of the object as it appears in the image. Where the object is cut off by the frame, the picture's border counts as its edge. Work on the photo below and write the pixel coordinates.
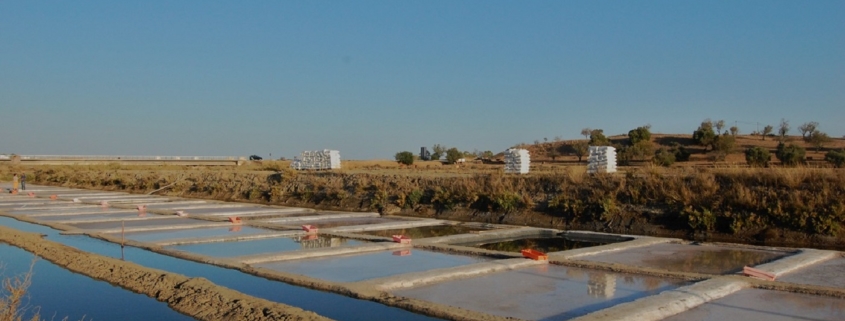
(425, 231)
(331, 305)
(542, 244)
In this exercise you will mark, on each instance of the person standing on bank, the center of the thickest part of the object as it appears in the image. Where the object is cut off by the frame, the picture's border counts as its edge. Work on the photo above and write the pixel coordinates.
(23, 181)
(15, 183)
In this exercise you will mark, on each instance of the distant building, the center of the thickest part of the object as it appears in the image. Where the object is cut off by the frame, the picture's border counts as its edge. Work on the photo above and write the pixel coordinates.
(425, 154)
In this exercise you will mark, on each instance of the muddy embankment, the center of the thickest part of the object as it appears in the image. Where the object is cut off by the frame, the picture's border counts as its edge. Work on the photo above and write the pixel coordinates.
(784, 207)
(196, 297)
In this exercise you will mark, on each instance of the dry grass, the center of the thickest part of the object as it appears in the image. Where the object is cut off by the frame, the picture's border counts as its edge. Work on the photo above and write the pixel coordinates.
(13, 296)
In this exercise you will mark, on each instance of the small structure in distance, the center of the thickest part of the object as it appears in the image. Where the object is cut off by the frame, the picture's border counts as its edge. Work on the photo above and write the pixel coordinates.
(602, 159)
(517, 161)
(317, 160)
(425, 154)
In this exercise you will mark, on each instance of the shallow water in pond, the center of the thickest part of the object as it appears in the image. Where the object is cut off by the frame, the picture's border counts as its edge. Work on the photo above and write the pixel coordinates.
(270, 245)
(542, 292)
(542, 244)
(425, 231)
(329, 223)
(371, 265)
(59, 293)
(154, 236)
(331, 305)
(709, 259)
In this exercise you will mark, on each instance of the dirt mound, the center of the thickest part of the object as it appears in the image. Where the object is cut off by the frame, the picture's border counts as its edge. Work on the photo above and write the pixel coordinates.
(196, 297)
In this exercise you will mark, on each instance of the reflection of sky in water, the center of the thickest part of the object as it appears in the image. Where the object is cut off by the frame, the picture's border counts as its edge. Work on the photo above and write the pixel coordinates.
(424, 231)
(690, 258)
(331, 305)
(169, 221)
(60, 293)
(250, 247)
(192, 233)
(756, 304)
(351, 268)
(542, 244)
(328, 223)
(543, 292)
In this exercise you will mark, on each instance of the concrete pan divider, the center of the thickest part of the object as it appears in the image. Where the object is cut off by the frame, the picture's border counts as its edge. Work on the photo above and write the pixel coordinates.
(177, 202)
(317, 253)
(639, 241)
(318, 216)
(160, 228)
(668, 303)
(206, 205)
(804, 258)
(415, 279)
(86, 211)
(496, 233)
(86, 195)
(58, 206)
(219, 239)
(118, 219)
(249, 212)
(386, 226)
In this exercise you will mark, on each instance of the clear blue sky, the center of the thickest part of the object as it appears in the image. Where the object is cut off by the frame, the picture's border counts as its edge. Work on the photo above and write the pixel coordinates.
(371, 78)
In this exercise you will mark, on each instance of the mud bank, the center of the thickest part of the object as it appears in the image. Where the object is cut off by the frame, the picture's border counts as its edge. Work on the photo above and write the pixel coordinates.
(196, 297)
(758, 206)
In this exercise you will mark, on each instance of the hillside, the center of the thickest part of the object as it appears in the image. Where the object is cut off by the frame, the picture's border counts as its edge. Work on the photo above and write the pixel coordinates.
(539, 152)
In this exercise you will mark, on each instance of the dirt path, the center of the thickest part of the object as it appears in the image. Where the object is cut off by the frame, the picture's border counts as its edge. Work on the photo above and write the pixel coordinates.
(196, 297)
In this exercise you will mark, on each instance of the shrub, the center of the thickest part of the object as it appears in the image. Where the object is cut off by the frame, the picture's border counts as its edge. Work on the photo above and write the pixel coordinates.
(757, 156)
(790, 155)
(681, 153)
(704, 136)
(837, 158)
(405, 157)
(597, 138)
(453, 155)
(639, 134)
(664, 157)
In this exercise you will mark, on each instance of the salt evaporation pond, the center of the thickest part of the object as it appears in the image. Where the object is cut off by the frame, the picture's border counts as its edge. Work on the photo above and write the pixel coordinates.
(331, 305)
(267, 245)
(370, 265)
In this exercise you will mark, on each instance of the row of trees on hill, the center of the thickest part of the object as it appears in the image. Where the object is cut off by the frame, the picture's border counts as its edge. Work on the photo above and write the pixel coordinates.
(717, 139)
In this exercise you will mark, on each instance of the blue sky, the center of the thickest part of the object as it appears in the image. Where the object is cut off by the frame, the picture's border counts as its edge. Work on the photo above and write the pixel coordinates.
(371, 78)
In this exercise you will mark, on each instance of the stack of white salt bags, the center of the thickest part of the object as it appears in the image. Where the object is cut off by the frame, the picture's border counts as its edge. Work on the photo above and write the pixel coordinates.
(317, 160)
(517, 161)
(602, 159)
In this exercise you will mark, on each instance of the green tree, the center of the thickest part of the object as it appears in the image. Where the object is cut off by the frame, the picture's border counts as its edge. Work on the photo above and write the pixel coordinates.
(437, 151)
(719, 125)
(757, 156)
(597, 138)
(664, 157)
(734, 131)
(837, 158)
(725, 144)
(819, 139)
(783, 129)
(453, 155)
(487, 154)
(704, 135)
(552, 151)
(808, 128)
(641, 151)
(681, 153)
(767, 131)
(790, 155)
(405, 157)
(586, 132)
(639, 134)
(581, 148)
